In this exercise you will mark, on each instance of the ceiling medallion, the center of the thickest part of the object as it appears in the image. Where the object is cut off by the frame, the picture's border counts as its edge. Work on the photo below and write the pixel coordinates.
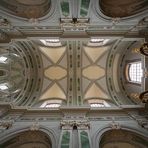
(93, 72)
(55, 73)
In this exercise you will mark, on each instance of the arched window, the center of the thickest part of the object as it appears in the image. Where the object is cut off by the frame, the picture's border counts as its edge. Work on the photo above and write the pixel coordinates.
(54, 105)
(51, 104)
(97, 103)
(135, 72)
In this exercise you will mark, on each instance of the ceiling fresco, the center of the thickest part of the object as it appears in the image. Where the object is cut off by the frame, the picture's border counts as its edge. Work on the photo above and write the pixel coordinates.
(122, 138)
(29, 139)
(113, 8)
(26, 9)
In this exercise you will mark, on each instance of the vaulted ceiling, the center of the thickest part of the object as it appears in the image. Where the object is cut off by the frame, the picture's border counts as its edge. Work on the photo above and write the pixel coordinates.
(68, 51)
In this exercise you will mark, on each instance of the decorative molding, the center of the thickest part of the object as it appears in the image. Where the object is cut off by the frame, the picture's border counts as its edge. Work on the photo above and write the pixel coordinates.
(34, 126)
(143, 123)
(4, 21)
(80, 124)
(5, 124)
(74, 23)
(3, 36)
(33, 21)
(115, 125)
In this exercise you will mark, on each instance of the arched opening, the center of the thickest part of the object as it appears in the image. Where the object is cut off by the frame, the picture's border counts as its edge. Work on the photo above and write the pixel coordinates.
(26, 9)
(29, 139)
(135, 72)
(121, 8)
(121, 139)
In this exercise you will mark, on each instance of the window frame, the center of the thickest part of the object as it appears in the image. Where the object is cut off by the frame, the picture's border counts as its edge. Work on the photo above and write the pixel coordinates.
(127, 72)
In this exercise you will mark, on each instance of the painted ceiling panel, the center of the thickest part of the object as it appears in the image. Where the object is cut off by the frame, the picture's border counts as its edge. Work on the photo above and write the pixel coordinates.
(27, 8)
(85, 84)
(63, 84)
(120, 8)
(46, 84)
(53, 92)
(63, 62)
(55, 73)
(86, 62)
(54, 54)
(95, 92)
(46, 61)
(93, 72)
(94, 53)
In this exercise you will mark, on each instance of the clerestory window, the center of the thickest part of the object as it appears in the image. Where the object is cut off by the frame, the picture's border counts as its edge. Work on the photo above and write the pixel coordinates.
(51, 104)
(135, 72)
(97, 103)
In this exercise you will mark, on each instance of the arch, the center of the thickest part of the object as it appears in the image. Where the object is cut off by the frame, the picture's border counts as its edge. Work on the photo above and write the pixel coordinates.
(100, 132)
(122, 138)
(25, 61)
(29, 9)
(122, 8)
(99, 13)
(134, 72)
(48, 15)
(14, 133)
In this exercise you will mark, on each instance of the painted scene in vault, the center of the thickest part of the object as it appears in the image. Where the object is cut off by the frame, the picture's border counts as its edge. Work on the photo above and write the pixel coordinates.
(113, 8)
(26, 9)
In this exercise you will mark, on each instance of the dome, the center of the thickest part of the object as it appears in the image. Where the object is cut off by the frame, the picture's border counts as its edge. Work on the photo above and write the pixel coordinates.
(11, 74)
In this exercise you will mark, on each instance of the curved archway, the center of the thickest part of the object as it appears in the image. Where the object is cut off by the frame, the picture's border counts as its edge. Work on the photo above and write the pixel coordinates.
(29, 139)
(26, 9)
(125, 8)
(20, 73)
(120, 138)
